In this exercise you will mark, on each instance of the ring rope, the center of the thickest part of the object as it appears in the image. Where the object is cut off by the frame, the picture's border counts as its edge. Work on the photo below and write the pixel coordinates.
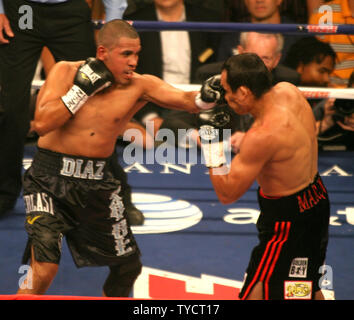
(309, 92)
(297, 29)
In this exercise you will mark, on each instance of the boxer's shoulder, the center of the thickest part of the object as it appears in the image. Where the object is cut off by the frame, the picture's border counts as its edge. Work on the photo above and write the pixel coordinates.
(67, 66)
(146, 79)
(287, 89)
(140, 83)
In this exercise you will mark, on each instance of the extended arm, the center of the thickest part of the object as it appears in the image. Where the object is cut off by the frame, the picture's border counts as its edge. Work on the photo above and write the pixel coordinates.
(165, 95)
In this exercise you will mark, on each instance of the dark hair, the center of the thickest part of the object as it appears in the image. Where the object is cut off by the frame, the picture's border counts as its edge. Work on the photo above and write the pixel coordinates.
(109, 35)
(307, 50)
(249, 70)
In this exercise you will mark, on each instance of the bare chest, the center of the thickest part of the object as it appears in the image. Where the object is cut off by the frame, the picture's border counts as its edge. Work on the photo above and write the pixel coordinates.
(106, 112)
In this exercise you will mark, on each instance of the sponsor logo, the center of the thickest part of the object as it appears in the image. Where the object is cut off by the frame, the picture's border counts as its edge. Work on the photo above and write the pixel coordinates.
(84, 76)
(298, 290)
(322, 28)
(31, 221)
(160, 284)
(208, 132)
(298, 268)
(316, 94)
(88, 74)
(164, 214)
(74, 98)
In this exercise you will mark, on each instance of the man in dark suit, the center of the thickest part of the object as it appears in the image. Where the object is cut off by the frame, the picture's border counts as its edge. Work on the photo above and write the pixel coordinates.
(259, 12)
(173, 56)
(201, 45)
(268, 47)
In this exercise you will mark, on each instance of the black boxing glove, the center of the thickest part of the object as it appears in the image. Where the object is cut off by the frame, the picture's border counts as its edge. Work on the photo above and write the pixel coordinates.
(90, 78)
(213, 124)
(210, 93)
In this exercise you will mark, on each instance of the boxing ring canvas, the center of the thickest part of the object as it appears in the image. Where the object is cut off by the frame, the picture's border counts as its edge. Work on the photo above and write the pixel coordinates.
(193, 247)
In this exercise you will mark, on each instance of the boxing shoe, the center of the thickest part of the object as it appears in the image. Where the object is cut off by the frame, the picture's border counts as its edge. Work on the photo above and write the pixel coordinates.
(134, 215)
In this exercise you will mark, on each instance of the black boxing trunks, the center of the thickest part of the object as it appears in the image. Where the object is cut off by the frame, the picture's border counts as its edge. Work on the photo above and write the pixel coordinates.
(78, 198)
(293, 237)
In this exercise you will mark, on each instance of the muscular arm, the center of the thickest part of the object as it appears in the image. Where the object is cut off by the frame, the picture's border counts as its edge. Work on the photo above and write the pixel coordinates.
(51, 112)
(245, 167)
(165, 95)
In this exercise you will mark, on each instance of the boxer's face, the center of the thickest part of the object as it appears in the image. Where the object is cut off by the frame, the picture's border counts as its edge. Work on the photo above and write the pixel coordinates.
(122, 60)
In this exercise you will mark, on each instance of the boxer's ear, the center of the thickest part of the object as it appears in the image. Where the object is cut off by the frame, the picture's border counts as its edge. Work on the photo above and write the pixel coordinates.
(101, 52)
(243, 91)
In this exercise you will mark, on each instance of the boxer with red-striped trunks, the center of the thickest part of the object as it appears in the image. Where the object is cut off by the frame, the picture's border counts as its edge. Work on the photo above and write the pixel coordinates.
(280, 153)
(293, 236)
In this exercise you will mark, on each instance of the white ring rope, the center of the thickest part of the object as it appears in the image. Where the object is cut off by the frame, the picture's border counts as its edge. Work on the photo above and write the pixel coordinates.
(309, 92)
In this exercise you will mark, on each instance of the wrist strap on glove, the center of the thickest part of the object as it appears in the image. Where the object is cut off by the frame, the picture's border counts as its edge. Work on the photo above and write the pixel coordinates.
(213, 149)
(74, 99)
(202, 105)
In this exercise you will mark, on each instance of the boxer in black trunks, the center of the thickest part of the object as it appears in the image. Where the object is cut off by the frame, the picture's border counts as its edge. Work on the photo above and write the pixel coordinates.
(70, 190)
(79, 197)
(280, 152)
(293, 235)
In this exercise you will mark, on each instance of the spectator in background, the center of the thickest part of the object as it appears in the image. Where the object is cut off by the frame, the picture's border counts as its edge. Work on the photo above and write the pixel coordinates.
(312, 5)
(268, 47)
(65, 28)
(336, 126)
(342, 12)
(173, 56)
(314, 60)
(266, 11)
(298, 11)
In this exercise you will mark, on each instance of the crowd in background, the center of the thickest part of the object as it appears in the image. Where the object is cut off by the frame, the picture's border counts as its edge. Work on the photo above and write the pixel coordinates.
(188, 57)
(192, 57)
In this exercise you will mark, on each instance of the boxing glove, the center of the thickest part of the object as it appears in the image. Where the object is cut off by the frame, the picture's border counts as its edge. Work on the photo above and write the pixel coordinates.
(210, 93)
(91, 77)
(214, 126)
